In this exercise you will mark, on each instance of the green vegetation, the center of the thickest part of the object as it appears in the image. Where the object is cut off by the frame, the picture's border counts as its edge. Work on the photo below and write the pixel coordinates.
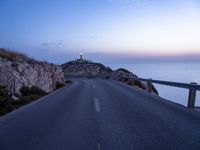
(139, 84)
(25, 91)
(59, 85)
(37, 91)
(28, 94)
(135, 83)
(34, 90)
(31, 93)
(5, 101)
(68, 82)
(25, 100)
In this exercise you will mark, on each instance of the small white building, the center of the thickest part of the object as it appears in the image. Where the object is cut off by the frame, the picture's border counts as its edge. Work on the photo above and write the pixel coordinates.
(81, 56)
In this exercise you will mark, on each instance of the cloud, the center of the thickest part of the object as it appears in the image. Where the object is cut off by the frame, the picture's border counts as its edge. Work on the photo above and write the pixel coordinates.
(44, 44)
(60, 42)
(52, 44)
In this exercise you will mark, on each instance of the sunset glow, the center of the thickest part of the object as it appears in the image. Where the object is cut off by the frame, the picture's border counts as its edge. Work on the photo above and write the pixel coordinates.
(128, 27)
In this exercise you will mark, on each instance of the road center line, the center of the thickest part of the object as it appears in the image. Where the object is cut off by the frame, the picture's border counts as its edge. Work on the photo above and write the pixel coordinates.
(99, 147)
(97, 105)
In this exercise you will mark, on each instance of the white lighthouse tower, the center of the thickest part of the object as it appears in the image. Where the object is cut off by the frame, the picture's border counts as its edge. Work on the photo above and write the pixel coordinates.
(81, 56)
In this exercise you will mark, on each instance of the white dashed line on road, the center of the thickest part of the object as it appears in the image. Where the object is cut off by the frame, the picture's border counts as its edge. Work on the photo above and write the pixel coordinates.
(99, 147)
(97, 105)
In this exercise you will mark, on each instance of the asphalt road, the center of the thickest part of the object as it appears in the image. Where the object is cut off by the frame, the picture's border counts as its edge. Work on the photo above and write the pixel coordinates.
(100, 115)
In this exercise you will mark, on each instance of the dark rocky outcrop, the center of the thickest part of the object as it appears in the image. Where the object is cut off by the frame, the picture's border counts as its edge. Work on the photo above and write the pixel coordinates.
(127, 77)
(17, 70)
(85, 68)
(88, 69)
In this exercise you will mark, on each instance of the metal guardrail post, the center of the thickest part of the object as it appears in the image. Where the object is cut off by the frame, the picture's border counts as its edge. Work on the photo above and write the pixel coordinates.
(192, 96)
(193, 88)
(149, 85)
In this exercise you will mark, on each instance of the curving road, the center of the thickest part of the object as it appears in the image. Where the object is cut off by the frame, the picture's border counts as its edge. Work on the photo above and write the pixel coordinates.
(100, 115)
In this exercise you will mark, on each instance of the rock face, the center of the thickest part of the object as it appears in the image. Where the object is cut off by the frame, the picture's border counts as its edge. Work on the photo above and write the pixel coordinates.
(85, 68)
(17, 70)
(125, 76)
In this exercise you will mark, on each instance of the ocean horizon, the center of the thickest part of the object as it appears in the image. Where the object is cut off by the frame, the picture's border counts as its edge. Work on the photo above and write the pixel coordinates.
(185, 72)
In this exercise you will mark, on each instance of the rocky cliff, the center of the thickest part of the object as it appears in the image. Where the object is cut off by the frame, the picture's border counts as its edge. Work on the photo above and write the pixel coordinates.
(17, 70)
(85, 68)
(126, 76)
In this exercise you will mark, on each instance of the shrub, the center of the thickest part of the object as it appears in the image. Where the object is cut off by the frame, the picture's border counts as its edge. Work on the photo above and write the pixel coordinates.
(139, 84)
(23, 100)
(7, 104)
(34, 97)
(5, 101)
(68, 82)
(34, 93)
(126, 79)
(17, 95)
(59, 85)
(34, 90)
(25, 91)
(27, 99)
(37, 91)
(124, 70)
(3, 91)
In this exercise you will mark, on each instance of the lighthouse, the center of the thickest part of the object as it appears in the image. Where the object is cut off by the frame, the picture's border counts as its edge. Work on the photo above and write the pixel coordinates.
(81, 56)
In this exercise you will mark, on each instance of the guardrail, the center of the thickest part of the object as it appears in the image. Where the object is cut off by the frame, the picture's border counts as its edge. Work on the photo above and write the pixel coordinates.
(193, 87)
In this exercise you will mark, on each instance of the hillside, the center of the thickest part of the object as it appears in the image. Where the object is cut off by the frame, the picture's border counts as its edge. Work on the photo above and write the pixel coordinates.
(17, 70)
(85, 68)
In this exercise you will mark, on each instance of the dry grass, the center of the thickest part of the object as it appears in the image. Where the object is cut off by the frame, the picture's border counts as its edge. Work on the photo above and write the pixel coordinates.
(11, 55)
(16, 56)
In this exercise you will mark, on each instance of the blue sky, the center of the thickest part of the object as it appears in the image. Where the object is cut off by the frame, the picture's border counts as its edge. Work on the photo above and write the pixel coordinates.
(112, 31)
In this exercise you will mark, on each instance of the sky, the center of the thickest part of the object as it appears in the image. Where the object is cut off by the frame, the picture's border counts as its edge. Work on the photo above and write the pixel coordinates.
(111, 31)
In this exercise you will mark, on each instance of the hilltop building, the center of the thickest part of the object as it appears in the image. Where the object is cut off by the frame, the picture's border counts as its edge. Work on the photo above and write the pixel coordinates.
(81, 59)
(81, 56)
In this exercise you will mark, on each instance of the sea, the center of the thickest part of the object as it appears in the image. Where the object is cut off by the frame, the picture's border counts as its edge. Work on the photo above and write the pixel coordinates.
(185, 72)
